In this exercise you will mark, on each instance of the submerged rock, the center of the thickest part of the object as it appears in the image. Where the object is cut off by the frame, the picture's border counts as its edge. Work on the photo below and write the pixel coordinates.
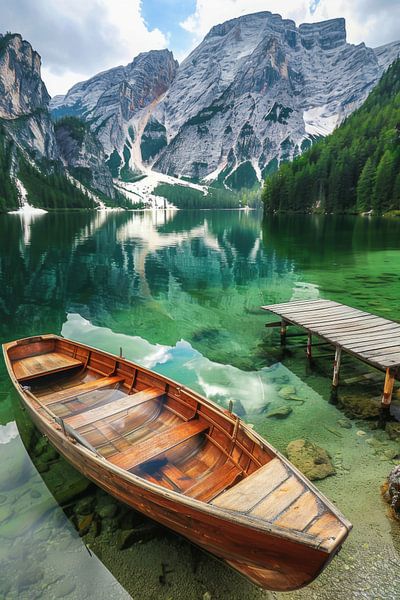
(287, 391)
(142, 533)
(361, 406)
(84, 506)
(393, 430)
(280, 412)
(310, 459)
(393, 490)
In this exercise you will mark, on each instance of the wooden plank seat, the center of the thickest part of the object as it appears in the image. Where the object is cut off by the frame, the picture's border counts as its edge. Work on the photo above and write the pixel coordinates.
(158, 444)
(32, 367)
(102, 412)
(215, 482)
(78, 390)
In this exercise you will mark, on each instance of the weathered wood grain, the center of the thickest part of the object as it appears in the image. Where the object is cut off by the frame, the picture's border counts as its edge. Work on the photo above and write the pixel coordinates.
(373, 339)
(112, 408)
(159, 444)
(248, 492)
(32, 367)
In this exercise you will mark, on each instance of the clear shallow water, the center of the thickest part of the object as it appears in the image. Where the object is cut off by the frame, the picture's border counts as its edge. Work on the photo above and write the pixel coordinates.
(180, 292)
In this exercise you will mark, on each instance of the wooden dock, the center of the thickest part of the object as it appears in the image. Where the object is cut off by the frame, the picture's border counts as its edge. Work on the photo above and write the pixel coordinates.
(371, 339)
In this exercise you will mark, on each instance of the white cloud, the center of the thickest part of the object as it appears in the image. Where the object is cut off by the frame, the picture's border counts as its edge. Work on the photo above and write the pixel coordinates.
(77, 39)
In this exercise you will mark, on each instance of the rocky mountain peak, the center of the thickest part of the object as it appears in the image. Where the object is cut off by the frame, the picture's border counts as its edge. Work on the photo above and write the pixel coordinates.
(255, 92)
(326, 34)
(21, 87)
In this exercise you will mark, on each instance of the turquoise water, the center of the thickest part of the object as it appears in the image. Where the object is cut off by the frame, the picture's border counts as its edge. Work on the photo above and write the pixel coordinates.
(180, 292)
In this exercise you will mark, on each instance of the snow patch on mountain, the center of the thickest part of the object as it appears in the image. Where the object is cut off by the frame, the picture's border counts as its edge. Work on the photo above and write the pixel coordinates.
(317, 122)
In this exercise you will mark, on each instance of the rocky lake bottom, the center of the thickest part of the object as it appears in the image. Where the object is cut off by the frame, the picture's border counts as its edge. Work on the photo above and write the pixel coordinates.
(180, 292)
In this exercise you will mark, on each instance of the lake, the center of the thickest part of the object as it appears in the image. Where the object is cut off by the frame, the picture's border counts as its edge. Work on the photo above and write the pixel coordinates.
(180, 292)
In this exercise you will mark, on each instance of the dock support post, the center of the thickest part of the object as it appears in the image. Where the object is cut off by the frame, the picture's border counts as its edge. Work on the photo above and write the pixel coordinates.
(336, 366)
(309, 346)
(386, 400)
(335, 379)
(283, 332)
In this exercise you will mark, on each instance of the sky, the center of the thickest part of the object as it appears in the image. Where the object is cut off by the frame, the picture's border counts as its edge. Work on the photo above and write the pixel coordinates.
(78, 38)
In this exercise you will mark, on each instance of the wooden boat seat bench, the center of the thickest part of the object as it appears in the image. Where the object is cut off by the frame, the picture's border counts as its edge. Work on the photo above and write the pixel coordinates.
(78, 390)
(32, 367)
(157, 445)
(249, 492)
(86, 417)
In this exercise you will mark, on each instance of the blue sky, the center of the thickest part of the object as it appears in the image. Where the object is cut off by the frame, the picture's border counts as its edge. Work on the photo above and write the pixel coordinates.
(76, 39)
(167, 15)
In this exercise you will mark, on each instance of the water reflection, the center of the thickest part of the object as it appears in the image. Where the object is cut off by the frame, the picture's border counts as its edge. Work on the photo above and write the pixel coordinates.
(41, 555)
(180, 292)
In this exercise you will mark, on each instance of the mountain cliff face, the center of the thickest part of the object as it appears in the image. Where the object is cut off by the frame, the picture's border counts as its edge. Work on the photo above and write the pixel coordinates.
(24, 99)
(116, 101)
(256, 92)
(31, 148)
(82, 154)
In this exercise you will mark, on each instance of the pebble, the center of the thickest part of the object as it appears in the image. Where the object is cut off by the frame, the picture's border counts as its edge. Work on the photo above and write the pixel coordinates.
(360, 433)
(345, 423)
(84, 523)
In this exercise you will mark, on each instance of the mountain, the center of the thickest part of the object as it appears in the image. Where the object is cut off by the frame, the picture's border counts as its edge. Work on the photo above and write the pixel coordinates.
(355, 169)
(256, 92)
(115, 102)
(24, 98)
(40, 165)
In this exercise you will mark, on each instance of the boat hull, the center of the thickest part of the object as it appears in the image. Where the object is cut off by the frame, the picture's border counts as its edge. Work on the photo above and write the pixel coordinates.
(268, 561)
(271, 555)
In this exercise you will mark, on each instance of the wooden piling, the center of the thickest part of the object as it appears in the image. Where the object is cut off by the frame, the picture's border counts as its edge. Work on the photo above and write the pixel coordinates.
(309, 346)
(283, 332)
(336, 366)
(388, 387)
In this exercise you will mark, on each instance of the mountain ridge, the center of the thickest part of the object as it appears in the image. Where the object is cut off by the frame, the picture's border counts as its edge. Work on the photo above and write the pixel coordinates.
(255, 92)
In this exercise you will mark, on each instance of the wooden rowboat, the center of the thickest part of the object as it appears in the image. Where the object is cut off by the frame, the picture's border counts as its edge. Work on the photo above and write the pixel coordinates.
(178, 458)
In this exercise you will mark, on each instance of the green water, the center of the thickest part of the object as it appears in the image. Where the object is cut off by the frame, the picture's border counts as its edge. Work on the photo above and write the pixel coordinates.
(180, 292)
